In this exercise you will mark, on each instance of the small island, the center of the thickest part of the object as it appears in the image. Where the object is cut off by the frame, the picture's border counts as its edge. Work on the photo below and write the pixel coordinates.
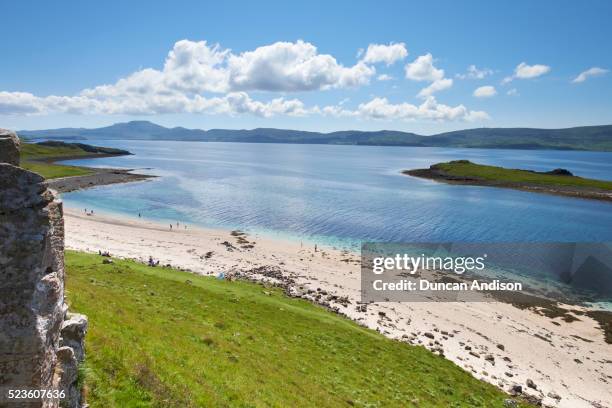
(557, 181)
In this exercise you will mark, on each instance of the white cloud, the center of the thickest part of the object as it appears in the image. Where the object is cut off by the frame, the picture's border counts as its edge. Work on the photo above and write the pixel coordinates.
(388, 54)
(437, 85)
(422, 69)
(430, 109)
(231, 104)
(512, 92)
(291, 67)
(475, 73)
(591, 72)
(200, 78)
(524, 71)
(486, 91)
(384, 77)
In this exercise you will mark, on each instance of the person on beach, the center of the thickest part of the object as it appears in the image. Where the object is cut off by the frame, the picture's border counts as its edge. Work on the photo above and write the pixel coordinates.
(170, 227)
(138, 215)
(315, 247)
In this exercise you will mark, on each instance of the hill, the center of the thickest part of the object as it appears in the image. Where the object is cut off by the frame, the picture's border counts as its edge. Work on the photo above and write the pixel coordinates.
(578, 138)
(162, 337)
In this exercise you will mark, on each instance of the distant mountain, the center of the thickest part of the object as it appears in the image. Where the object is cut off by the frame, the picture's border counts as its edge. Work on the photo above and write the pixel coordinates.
(577, 138)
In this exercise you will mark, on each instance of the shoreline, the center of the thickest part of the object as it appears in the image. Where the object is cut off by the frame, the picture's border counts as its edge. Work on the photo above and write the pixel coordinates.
(99, 177)
(474, 336)
(564, 191)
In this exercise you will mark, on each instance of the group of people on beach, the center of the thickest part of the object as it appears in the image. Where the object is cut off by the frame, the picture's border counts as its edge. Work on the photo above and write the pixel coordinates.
(91, 212)
(153, 262)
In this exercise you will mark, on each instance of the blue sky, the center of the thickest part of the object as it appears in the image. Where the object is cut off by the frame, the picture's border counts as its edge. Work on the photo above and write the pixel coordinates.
(299, 65)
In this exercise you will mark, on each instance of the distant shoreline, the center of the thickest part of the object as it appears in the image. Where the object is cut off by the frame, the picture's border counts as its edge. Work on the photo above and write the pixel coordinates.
(581, 138)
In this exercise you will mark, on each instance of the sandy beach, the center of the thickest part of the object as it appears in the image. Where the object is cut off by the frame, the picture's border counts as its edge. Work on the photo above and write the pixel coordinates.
(561, 364)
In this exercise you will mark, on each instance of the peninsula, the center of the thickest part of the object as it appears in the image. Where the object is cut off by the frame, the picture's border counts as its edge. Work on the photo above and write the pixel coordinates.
(557, 181)
(43, 158)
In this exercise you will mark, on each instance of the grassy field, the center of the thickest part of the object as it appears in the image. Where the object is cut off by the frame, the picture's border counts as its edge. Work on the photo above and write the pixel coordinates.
(464, 168)
(39, 159)
(163, 338)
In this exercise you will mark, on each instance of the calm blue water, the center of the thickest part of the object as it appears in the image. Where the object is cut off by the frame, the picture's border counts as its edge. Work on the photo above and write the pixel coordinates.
(345, 194)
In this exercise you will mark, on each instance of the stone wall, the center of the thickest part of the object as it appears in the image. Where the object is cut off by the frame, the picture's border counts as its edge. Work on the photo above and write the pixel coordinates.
(41, 344)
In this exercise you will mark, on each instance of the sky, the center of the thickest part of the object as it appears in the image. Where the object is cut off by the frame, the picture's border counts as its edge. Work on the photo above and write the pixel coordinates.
(423, 67)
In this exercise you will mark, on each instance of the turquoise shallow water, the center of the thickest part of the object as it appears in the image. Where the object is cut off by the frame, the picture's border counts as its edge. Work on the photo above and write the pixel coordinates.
(347, 194)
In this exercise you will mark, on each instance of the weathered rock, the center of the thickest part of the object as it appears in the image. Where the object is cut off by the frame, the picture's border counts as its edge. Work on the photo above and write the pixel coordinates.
(510, 403)
(32, 308)
(516, 389)
(31, 279)
(9, 147)
(531, 384)
(73, 333)
(67, 374)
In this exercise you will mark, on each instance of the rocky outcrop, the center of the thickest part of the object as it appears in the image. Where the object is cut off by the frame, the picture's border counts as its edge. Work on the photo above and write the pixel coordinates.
(39, 347)
(9, 147)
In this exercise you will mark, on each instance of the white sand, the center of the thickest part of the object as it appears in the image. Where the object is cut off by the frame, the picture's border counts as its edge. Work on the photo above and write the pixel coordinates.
(482, 326)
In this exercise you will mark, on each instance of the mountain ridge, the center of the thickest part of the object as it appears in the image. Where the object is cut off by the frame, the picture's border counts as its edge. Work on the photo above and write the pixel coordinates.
(594, 138)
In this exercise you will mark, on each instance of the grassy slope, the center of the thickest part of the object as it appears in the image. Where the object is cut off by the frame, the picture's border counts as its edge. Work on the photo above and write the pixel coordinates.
(33, 158)
(157, 340)
(518, 176)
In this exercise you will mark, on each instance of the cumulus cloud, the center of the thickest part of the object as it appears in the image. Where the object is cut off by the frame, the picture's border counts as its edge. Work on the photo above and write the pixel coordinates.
(512, 92)
(202, 78)
(435, 86)
(197, 67)
(591, 72)
(486, 91)
(388, 54)
(423, 69)
(524, 71)
(475, 73)
(12, 103)
(290, 67)
(381, 109)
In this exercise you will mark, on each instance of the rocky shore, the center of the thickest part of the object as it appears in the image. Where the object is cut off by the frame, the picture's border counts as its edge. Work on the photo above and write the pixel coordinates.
(100, 177)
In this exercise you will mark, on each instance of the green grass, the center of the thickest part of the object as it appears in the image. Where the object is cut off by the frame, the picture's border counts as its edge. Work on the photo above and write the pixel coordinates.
(163, 338)
(34, 158)
(464, 168)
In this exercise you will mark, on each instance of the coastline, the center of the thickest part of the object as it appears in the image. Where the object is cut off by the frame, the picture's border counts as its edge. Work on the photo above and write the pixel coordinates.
(565, 191)
(100, 177)
(475, 336)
